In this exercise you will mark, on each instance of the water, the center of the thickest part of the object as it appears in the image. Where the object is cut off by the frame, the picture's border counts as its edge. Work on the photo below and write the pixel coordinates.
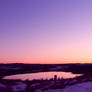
(42, 75)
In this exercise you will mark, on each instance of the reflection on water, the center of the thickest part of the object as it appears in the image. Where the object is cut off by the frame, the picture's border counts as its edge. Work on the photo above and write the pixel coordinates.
(42, 75)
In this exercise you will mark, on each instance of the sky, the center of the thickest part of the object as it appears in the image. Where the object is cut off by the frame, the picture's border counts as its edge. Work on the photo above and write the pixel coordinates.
(46, 31)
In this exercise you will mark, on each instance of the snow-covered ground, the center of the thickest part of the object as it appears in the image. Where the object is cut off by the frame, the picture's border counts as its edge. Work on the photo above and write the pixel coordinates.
(82, 87)
(78, 84)
(20, 86)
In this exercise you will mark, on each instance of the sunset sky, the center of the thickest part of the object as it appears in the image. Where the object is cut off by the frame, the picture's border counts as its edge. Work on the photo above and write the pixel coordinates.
(46, 31)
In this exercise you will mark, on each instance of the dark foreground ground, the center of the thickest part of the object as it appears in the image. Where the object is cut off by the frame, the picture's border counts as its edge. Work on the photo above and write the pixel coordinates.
(42, 85)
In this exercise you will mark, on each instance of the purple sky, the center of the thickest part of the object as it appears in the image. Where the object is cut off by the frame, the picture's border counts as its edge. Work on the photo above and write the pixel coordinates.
(45, 31)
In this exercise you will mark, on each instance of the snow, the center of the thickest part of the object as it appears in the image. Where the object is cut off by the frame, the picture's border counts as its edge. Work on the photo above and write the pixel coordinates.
(2, 85)
(82, 87)
(36, 84)
(19, 87)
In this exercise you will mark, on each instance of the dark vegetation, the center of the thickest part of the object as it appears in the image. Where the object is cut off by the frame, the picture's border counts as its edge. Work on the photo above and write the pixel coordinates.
(18, 68)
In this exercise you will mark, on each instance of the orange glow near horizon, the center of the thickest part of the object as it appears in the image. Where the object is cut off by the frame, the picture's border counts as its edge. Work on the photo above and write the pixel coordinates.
(46, 32)
(76, 52)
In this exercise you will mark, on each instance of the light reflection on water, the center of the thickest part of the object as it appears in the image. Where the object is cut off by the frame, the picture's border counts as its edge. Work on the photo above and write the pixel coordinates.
(42, 75)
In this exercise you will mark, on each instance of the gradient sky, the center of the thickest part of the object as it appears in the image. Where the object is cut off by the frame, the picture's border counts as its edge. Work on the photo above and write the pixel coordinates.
(46, 31)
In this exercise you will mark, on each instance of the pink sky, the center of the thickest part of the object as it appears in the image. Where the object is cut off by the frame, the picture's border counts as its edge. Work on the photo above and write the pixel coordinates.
(49, 31)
